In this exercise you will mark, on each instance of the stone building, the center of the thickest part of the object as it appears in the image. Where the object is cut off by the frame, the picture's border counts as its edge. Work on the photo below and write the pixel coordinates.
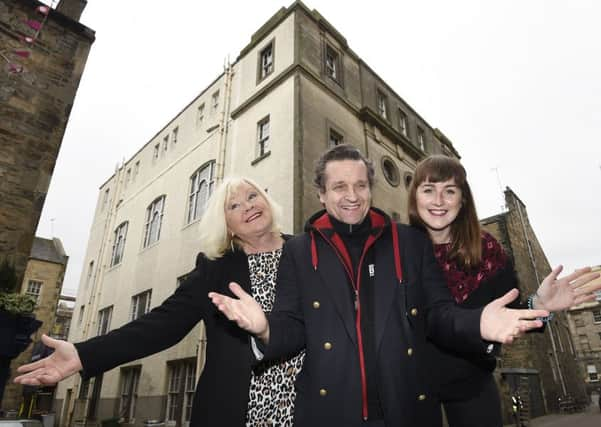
(36, 95)
(539, 366)
(43, 279)
(585, 327)
(294, 90)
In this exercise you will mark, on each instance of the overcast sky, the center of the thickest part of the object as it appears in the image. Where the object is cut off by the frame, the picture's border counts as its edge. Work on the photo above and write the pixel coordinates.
(516, 85)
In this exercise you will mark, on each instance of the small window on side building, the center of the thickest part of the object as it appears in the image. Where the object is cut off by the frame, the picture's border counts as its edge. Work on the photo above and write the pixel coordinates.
(266, 61)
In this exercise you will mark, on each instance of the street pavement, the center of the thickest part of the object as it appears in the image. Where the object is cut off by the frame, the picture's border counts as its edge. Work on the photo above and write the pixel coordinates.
(590, 418)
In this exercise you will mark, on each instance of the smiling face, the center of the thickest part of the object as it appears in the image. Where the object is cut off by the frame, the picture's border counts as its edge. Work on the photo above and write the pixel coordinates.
(347, 195)
(438, 205)
(247, 213)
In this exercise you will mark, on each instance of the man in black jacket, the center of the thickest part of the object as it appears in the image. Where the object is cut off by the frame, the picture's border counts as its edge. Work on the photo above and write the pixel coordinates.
(360, 294)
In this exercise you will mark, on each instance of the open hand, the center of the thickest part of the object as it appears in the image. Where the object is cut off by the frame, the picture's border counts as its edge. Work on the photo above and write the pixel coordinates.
(245, 311)
(501, 324)
(559, 294)
(61, 364)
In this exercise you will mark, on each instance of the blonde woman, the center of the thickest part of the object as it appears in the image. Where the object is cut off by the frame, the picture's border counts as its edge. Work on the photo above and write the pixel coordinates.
(241, 241)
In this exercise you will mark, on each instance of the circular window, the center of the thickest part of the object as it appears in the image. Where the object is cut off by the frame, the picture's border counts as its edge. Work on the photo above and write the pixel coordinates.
(390, 171)
(407, 179)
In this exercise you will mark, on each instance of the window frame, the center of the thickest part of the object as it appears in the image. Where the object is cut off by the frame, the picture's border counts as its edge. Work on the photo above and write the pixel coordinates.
(35, 293)
(262, 74)
(403, 123)
(596, 316)
(119, 238)
(128, 393)
(382, 104)
(194, 212)
(104, 320)
(333, 71)
(263, 142)
(134, 310)
(395, 180)
(200, 114)
(151, 210)
(421, 138)
(215, 101)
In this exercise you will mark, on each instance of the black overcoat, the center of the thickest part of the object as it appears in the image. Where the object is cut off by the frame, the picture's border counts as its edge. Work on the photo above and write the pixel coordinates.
(313, 308)
(221, 396)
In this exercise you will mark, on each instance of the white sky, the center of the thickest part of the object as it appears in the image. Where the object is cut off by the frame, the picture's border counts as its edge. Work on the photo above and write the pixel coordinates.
(516, 85)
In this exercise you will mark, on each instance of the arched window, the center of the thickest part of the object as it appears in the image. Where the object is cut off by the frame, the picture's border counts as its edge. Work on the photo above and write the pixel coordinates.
(119, 243)
(202, 183)
(154, 218)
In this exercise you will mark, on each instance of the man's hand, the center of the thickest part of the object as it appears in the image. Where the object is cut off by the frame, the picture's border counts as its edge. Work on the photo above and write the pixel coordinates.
(245, 311)
(501, 324)
(61, 364)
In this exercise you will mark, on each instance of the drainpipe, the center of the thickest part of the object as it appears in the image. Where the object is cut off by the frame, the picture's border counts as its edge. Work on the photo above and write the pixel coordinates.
(224, 125)
(549, 328)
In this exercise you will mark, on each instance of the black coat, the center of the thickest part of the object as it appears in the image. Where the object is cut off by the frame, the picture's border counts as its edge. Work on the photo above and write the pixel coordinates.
(313, 308)
(221, 396)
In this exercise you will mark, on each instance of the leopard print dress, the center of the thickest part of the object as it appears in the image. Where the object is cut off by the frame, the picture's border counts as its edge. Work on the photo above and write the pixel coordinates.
(271, 393)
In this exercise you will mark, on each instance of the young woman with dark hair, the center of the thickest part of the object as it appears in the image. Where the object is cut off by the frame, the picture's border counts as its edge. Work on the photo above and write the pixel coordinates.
(477, 271)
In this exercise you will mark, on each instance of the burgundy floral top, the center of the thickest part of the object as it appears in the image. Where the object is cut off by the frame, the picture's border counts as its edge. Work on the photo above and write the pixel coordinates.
(461, 282)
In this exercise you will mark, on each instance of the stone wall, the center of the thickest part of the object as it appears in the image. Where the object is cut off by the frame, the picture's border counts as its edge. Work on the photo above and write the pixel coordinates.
(34, 110)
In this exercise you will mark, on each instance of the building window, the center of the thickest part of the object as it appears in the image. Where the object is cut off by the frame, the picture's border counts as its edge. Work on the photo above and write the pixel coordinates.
(597, 316)
(390, 171)
(104, 320)
(90, 273)
(262, 137)
(34, 289)
(592, 373)
(584, 343)
(265, 61)
(403, 122)
(180, 393)
(578, 320)
(174, 135)
(154, 218)
(165, 142)
(127, 177)
(105, 199)
(215, 101)
(136, 170)
(382, 104)
(332, 63)
(334, 138)
(157, 151)
(201, 188)
(200, 114)
(421, 139)
(119, 243)
(140, 304)
(80, 318)
(130, 377)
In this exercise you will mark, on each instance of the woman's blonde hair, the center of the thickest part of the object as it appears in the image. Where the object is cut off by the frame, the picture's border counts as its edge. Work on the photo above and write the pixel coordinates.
(215, 239)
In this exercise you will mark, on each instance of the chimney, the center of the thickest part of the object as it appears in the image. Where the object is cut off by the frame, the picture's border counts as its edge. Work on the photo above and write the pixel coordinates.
(71, 8)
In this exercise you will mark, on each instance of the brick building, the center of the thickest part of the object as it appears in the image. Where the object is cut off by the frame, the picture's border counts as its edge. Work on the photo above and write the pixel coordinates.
(585, 327)
(540, 366)
(43, 279)
(34, 109)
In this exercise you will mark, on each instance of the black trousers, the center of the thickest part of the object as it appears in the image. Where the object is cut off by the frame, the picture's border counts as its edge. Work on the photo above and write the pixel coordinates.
(481, 409)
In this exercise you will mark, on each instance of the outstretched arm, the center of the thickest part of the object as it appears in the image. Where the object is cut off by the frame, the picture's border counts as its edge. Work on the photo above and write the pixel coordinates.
(243, 310)
(62, 363)
(559, 294)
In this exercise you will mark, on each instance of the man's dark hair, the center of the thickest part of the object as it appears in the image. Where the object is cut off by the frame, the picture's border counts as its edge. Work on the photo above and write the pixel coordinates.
(340, 152)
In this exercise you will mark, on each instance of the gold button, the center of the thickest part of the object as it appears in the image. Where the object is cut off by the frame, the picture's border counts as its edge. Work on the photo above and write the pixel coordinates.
(414, 311)
(421, 397)
(315, 305)
(327, 345)
(323, 392)
(409, 352)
